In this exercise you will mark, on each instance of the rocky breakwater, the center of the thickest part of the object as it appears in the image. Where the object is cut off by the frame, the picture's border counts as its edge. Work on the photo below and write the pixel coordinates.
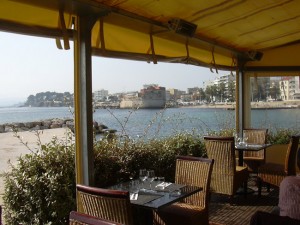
(37, 125)
(50, 124)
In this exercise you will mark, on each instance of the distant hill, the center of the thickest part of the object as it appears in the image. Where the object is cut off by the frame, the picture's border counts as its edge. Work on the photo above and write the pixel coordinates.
(50, 99)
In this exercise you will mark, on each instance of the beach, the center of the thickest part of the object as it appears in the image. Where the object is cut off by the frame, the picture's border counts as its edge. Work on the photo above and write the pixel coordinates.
(11, 147)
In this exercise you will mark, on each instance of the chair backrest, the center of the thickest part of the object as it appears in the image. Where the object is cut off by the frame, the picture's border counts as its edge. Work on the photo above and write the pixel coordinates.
(223, 178)
(222, 150)
(255, 136)
(77, 218)
(107, 204)
(195, 171)
(290, 158)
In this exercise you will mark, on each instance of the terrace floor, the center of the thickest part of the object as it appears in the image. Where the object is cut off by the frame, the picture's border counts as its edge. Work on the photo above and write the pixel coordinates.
(241, 209)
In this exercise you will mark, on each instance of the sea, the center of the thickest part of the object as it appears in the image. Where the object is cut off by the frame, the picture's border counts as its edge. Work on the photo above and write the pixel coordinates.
(160, 122)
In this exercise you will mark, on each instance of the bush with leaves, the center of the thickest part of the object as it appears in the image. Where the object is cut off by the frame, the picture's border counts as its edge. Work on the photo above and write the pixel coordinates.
(40, 189)
(281, 136)
(122, 157)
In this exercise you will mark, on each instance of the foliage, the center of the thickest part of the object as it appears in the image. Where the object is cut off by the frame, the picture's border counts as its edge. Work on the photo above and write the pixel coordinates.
(40, 189)
(48, 98)
(278, 136)
(222, 132)
(126, 156)
(281, 136)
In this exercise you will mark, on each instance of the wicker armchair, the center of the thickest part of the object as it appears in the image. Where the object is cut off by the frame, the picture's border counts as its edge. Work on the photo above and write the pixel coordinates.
(273, 174)
(226, 176)
(255, 159)
(107, 204)
(193, 171)
(77, 218)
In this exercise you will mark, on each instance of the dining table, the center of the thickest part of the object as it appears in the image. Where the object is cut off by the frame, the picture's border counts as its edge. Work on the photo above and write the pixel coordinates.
(241, 148)
(145, 197)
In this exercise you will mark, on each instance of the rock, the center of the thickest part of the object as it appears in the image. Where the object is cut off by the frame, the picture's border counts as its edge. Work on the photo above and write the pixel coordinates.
(37, 127)
(8, 128)
(46, 123)
(28, 125)
(36, 123)
(96, 125)
(2, 128)
(55, 125)
(102, 126)
(18, 125)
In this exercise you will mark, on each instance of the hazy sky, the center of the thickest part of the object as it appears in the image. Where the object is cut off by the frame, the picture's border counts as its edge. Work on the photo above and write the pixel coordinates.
(30, 65)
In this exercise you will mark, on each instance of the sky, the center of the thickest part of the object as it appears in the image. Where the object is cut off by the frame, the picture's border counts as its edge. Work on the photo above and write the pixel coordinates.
(30, 65)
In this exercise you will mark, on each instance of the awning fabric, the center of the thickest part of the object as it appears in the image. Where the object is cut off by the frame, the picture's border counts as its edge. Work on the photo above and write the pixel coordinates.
(140, 29)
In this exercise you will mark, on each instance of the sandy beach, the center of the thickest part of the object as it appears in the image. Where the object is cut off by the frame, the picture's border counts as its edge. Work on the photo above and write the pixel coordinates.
(11, 147)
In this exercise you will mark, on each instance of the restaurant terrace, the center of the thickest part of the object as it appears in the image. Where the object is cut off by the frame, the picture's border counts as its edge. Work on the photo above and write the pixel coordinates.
(250, 38)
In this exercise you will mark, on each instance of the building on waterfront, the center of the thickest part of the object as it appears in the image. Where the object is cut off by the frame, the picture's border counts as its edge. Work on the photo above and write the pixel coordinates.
(175, 93)
(193, 90)
(151, 96)
(100, 95)
(290, 88)
(223, 87)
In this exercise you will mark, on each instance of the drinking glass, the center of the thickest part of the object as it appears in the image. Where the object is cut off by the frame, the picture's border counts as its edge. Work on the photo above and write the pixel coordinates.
(150, 177)
(160, 181)
(131, 177)
(245, 141)
(143, 175)
(236, 138)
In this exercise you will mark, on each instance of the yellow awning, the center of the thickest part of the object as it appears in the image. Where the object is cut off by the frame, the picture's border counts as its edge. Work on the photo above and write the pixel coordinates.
(143, 29)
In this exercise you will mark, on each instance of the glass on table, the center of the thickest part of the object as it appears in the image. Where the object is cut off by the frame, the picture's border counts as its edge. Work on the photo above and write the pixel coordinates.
(150, 177)
(131, 176)
(143, 175)
(160, 181)
(237, 139)
(245, 140)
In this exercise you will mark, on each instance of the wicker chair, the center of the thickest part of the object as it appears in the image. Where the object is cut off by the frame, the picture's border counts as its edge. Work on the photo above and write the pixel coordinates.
(226, 176)
(273, 174)
(255, 159)
(77, 218)
(107, 204)
(193, 171)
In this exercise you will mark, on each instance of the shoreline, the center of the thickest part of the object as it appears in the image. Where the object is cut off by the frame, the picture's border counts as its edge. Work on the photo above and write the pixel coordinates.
(295, 104)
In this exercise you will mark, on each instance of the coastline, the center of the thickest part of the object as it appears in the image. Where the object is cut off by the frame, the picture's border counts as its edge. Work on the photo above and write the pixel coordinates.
(11, 148)
(254, 105)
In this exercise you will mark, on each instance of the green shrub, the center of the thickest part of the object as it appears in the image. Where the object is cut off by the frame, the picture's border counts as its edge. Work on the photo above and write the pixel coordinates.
(40, 189)
(281, 136)
(122, 157)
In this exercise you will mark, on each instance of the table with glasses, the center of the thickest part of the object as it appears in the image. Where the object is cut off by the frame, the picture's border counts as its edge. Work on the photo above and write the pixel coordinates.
(144, 198)
(248, 147)
(161, 194)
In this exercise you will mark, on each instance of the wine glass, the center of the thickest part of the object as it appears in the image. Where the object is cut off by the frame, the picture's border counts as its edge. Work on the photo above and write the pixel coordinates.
(150, 177)
(143, 175)
(131, 176)
(246, 141)
(236, 138)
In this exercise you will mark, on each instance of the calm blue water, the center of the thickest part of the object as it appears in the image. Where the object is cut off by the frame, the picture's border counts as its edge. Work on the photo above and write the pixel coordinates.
(152, 122)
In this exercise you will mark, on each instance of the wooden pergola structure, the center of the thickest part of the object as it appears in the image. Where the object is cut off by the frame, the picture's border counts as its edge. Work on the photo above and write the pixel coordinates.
(252, 38)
